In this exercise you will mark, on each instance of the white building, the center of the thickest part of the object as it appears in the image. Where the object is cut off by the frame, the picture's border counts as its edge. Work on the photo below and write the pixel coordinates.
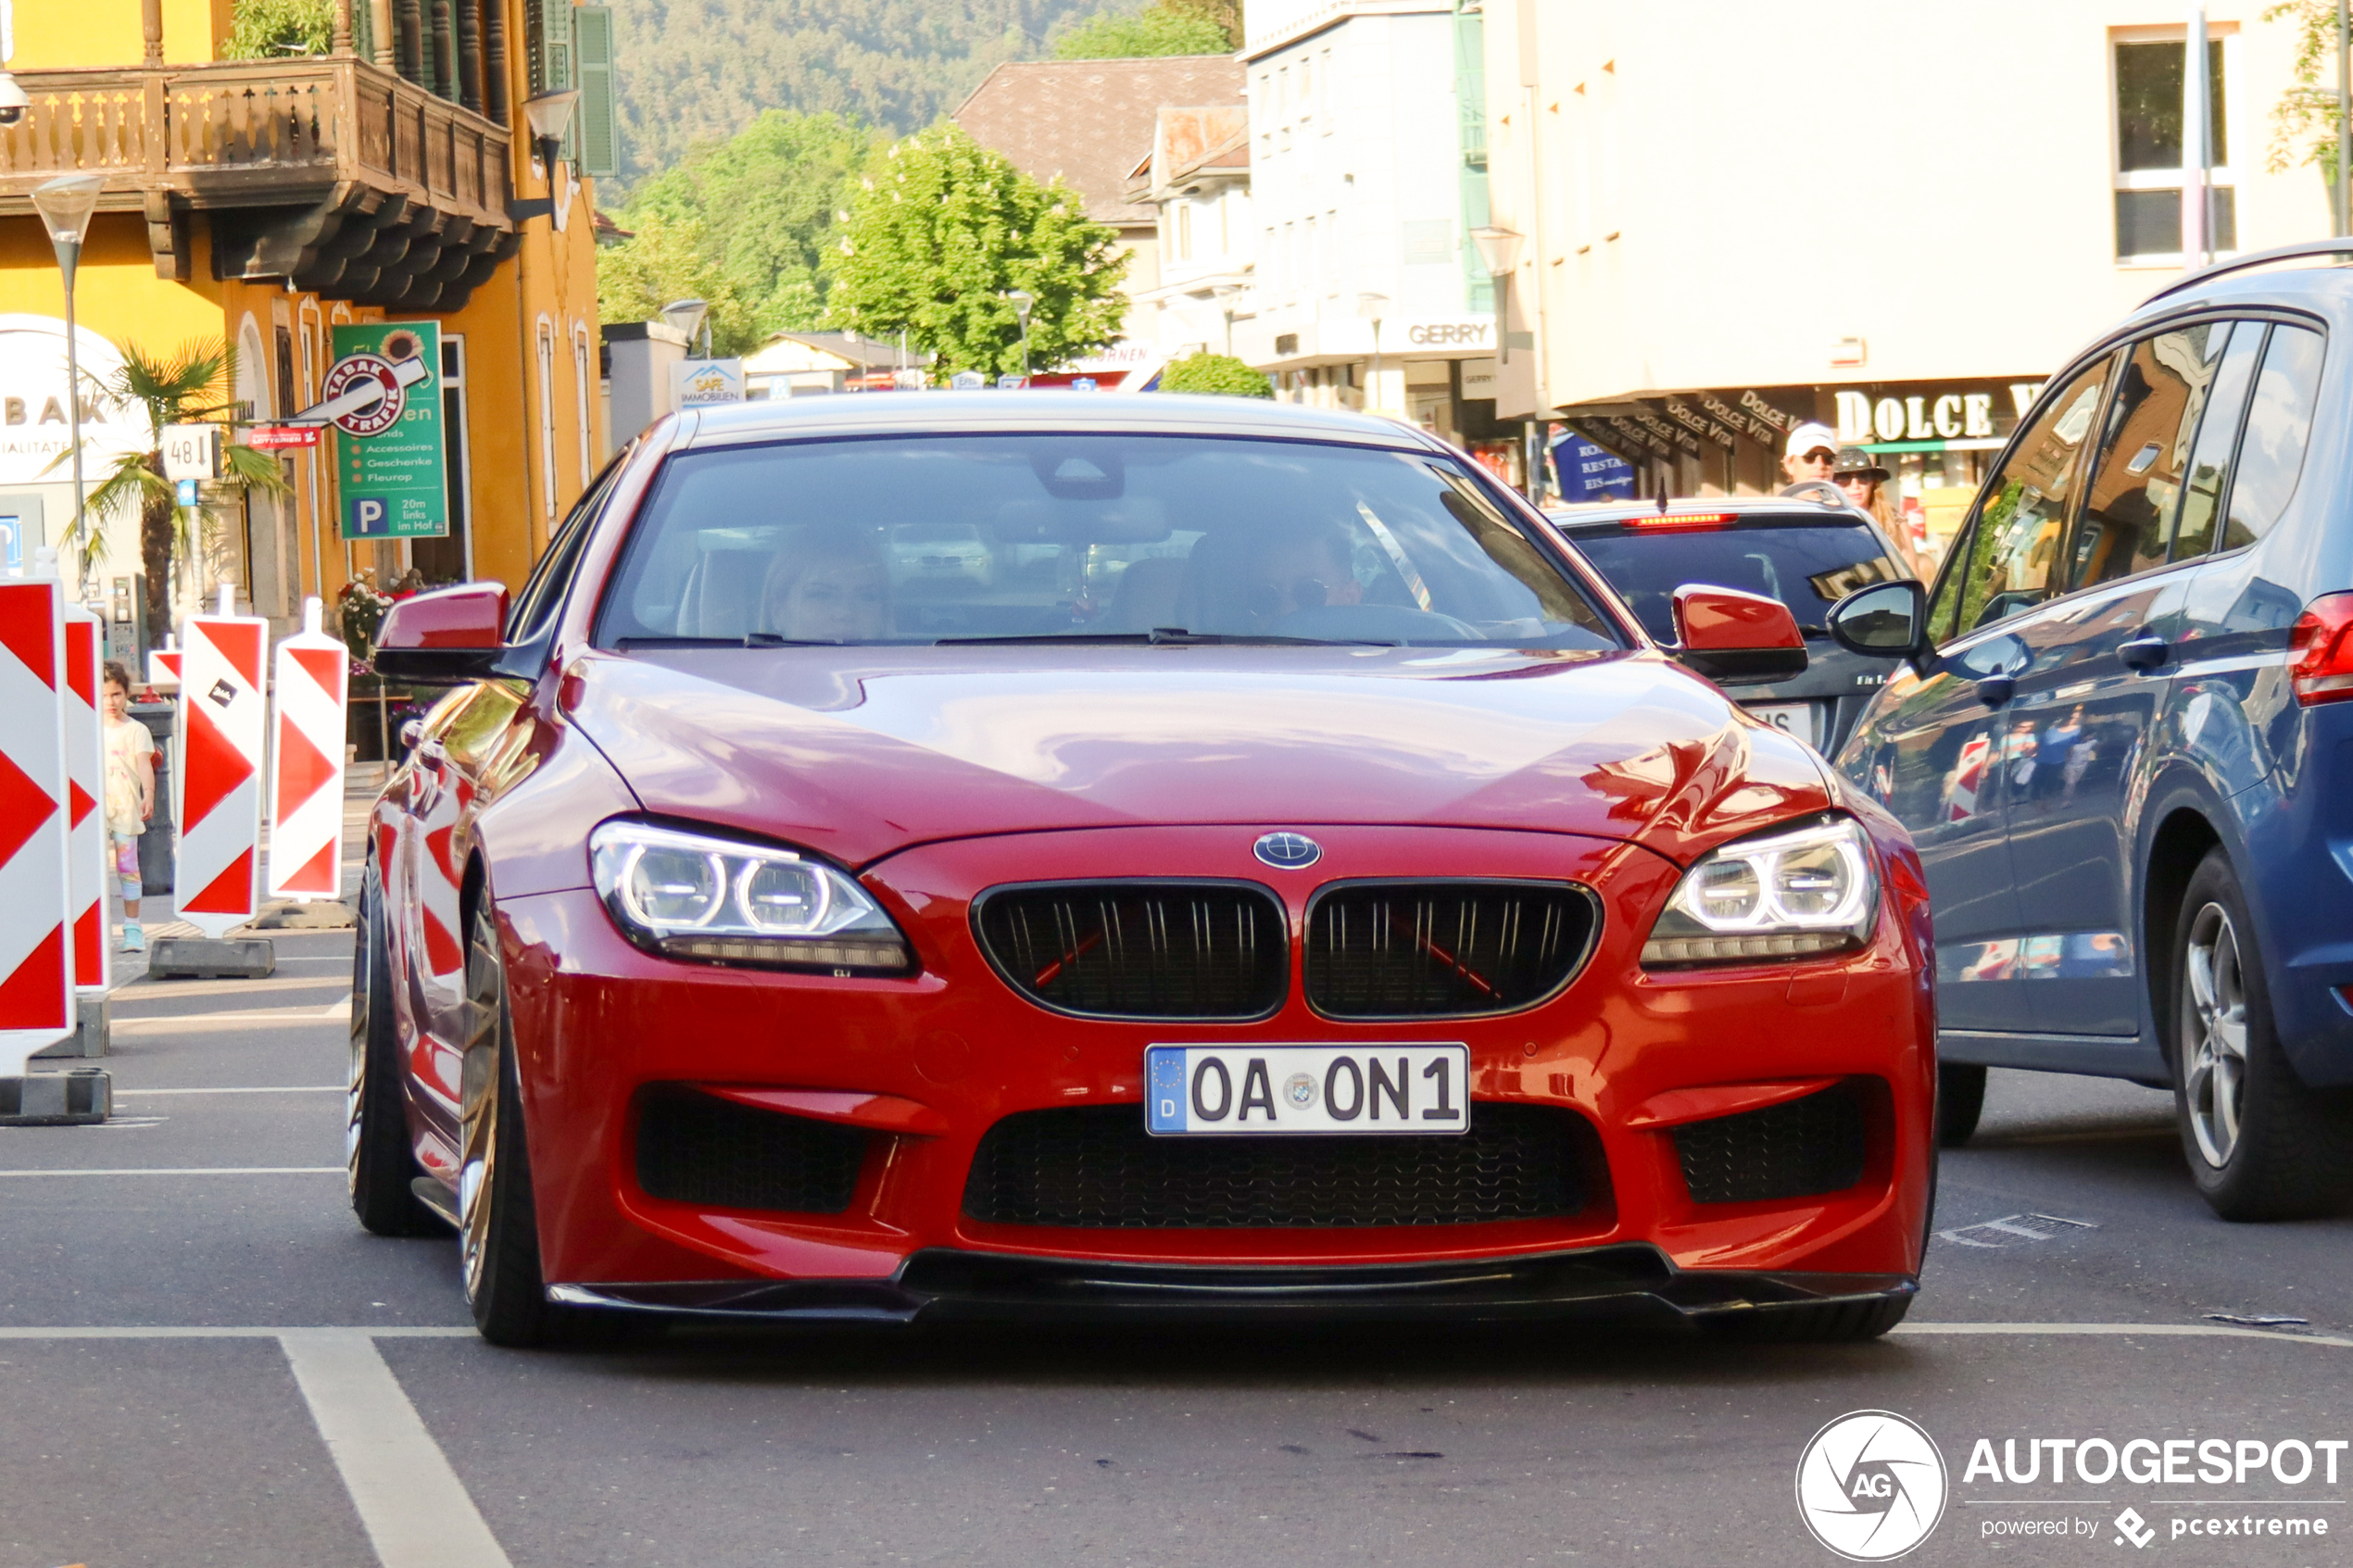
(1196, 176)
(1366, 178)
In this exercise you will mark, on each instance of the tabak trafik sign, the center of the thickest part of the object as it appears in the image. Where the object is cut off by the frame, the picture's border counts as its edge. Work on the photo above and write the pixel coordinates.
(383, 398)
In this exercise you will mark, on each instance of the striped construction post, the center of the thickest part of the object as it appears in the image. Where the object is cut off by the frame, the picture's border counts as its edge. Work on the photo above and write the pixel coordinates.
(218, 783)
(36, 968)
(163, 665)
(313, 681)
(86, 797)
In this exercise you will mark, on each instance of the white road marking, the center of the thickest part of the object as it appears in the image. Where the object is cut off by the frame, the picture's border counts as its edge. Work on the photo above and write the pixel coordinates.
(181, 1331)
(258, 1090)
(186, 1170)
(2166, 1330)
(417, 1513)
(197, 1023)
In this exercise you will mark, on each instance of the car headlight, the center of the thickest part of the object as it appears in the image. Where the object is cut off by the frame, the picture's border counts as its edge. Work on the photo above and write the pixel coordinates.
(1789, 895)
(690, 895)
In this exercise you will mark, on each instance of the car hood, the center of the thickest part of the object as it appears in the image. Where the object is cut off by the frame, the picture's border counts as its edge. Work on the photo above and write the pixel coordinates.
(857, 753)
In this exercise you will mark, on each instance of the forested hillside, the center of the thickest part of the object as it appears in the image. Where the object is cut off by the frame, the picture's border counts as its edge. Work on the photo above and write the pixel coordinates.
(696, 69)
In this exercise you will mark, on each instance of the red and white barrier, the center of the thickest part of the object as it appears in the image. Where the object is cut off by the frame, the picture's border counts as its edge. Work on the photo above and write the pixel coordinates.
(306, 769)
(218, 783)
(163, 665)
(86, 800)
(37, 971)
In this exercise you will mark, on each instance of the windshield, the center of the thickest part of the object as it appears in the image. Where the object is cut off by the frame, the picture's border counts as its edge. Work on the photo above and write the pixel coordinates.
(1807, 565)
(927, 539)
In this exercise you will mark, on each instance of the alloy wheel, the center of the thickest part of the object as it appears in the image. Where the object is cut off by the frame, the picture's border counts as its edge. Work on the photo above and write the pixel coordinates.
(478, 1112)
(2214, 1034)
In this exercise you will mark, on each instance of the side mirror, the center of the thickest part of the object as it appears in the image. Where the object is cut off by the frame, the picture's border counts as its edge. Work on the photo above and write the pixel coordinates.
(444, 637)
(1884, 620)
(1735, 638)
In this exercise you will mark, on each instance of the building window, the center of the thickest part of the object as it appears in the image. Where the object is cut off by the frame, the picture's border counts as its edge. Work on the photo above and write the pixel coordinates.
(1323, 92)
(547, 336)
(1184, 230)
(583, 381)
(2149, 162)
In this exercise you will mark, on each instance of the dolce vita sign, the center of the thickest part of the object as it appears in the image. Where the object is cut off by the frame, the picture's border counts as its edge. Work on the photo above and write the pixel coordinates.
(35, 419)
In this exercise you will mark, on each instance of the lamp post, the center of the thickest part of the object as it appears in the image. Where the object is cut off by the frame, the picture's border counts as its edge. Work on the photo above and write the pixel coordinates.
(1225, 294)
(1369, 306)
(1023, 300)
(65, 205)
(684, 316)
(1499, 249)
(549, 116)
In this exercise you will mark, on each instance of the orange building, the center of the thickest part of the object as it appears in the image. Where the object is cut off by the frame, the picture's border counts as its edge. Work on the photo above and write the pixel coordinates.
(264, 203)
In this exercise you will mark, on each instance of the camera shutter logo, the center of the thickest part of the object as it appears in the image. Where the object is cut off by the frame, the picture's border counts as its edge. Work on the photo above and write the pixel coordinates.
(1871, 1486)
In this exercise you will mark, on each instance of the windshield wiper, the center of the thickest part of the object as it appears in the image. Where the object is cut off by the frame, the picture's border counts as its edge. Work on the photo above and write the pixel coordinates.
(749, 640)
(1171, 636)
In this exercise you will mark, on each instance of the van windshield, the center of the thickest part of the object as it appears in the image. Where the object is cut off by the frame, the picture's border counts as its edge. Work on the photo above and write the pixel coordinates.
(926, 539)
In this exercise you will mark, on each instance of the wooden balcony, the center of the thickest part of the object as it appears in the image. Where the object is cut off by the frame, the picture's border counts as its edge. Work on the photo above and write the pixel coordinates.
(351, 181)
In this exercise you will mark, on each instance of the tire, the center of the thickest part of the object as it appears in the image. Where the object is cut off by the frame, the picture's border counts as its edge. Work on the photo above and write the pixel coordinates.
(2261, 1144)
(379, 1159)
(499, 1233)
(1960, 1101)
(1822, 1322)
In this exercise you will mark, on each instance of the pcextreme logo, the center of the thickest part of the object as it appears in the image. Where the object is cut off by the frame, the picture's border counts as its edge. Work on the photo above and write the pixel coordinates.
(1871, 1486)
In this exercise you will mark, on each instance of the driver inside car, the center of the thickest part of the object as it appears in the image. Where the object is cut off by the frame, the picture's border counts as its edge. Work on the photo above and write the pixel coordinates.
(828, 585)
(1247, 584)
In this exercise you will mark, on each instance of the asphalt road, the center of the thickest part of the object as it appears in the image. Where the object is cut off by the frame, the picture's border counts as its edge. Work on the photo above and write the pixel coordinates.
(316, 1399)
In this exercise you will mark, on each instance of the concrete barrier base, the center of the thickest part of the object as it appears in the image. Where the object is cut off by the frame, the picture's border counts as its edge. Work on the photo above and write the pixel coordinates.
(198, 958)
(56, 1099)
(95, 1015)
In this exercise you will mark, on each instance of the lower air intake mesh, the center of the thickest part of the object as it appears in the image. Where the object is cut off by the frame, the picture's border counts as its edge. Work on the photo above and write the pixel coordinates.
(698, 1149)
(1795, 1149)
(1095, 1167)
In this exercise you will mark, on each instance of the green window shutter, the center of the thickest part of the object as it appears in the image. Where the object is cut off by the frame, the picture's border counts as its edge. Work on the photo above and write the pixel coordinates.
(592, 54)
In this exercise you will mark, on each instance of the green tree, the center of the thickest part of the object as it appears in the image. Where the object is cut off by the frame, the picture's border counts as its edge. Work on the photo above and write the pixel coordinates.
(1172, 27)
(262, 29)
(1215, 372)
(2304, 121)
(190, 386)
(742, 223)
(942, 230)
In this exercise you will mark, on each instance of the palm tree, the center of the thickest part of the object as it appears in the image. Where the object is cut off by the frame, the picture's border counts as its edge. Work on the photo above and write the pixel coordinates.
(186, 387)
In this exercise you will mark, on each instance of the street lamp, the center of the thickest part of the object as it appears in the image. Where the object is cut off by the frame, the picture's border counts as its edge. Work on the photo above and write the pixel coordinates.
(65, 205)
(1369, 306)
(1224, 293)
(549, 116)
(1022, 301)
(685, 316)
(1500, 249)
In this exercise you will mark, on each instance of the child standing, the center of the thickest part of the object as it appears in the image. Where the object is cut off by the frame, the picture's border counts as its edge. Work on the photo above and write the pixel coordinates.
(131, 796)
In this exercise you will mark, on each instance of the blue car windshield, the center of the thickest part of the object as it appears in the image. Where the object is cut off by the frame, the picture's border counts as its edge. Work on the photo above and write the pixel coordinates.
(937, 539)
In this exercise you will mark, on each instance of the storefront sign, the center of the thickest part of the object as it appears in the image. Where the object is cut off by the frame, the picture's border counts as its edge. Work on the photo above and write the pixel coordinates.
(33, 412)
(279, 438)
(1587, 473)
(1699, 425)
(1451, 336)
(383, 394)
(694, 382)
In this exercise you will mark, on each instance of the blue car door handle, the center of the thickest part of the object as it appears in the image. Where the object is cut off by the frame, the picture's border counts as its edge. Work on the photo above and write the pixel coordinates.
(1994, 690)
(2143, 653)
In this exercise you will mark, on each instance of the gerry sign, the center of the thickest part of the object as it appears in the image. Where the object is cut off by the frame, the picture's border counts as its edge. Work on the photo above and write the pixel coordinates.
(383, 398)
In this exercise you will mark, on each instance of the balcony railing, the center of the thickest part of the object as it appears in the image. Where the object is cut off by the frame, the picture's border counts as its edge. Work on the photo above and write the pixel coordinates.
(242, 133)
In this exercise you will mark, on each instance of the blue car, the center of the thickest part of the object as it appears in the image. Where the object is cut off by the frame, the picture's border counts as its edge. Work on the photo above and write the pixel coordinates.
(2124, 738)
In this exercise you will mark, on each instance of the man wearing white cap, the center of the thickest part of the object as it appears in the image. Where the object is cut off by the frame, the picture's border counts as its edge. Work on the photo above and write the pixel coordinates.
(1811, 451)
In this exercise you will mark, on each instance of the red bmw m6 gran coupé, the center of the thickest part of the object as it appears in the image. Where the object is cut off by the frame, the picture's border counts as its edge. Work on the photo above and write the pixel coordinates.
(1258, 870)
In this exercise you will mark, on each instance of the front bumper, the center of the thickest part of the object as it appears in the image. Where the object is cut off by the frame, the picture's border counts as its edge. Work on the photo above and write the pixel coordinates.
(942, 1284)
(928, 1064)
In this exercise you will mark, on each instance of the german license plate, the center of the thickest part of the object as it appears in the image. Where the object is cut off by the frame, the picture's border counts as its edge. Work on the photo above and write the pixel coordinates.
(1306, 1089)
(1797, 717)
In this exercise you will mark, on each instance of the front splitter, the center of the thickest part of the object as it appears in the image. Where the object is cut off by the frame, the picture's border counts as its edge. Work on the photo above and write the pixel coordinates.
(947, 1283)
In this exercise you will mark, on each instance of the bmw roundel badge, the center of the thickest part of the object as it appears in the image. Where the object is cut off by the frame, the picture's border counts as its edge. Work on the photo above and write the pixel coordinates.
(1288, 851)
